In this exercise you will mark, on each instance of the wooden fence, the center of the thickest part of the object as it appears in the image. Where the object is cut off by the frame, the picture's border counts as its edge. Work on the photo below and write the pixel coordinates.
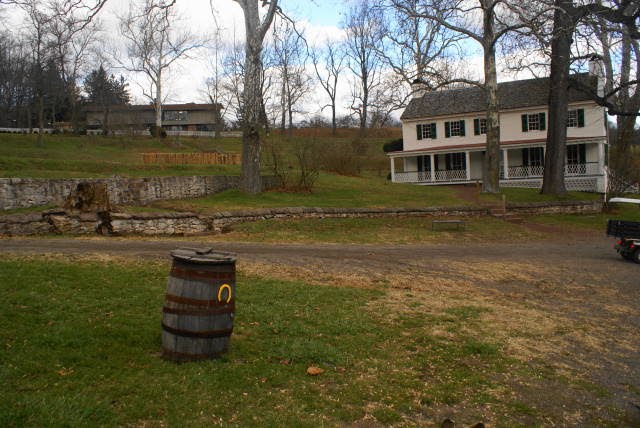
(192, 158)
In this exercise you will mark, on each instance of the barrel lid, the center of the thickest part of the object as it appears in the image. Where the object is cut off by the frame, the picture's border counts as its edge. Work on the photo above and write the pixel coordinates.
(203, 256)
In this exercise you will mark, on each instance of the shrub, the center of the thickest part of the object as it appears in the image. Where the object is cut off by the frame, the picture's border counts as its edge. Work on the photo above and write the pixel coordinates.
(157, 131)
(393, 146)
(341, 158)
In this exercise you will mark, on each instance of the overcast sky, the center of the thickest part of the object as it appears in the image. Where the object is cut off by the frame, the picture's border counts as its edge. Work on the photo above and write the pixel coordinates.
(319, 19)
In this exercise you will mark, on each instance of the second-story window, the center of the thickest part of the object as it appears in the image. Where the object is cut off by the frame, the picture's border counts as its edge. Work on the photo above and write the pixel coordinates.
(454, 129)
(426, 130)
(479, 126)
(575, 118)
(175, 115)
(534, 122)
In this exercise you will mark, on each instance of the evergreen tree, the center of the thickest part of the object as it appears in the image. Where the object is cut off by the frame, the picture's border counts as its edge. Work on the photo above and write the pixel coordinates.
(105, 91)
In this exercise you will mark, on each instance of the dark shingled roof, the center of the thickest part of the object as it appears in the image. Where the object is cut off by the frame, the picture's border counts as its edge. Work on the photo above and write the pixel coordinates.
(143, 107)
(511, 95)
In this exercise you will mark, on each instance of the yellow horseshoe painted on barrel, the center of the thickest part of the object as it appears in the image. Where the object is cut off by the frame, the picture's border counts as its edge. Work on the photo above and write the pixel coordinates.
(224, 287)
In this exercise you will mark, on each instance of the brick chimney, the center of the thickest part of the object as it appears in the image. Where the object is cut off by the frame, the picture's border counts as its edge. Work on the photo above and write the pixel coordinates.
(596, 68)
(418, 88)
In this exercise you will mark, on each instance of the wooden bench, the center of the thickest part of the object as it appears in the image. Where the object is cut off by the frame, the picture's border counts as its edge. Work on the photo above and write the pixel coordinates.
(460, 225)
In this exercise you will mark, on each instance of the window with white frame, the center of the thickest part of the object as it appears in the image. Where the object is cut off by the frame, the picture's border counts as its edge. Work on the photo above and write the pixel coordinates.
(428, 130)
(479, 126)
(534, 122)
(454, 129)
(483, 126)
(575, 118)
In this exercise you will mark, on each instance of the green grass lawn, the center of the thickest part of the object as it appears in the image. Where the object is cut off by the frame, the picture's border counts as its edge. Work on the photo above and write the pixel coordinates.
(596, 222)
(330, 191)
(67, 156)
(81, 347)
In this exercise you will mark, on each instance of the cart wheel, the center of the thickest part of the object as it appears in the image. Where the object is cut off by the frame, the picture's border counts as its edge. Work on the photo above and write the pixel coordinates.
(636, 256)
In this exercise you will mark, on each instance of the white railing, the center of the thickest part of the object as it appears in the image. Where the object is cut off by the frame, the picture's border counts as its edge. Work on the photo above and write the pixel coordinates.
(516, 172)
(451, 175)
(525, 171)
(412, 177)
(26, 130)
(589, 168)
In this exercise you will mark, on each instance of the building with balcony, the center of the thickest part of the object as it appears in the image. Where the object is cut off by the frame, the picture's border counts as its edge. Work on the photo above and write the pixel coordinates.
(444, 137)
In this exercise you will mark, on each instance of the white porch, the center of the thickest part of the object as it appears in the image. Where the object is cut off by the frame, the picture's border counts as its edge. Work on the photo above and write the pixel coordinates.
(519, 166)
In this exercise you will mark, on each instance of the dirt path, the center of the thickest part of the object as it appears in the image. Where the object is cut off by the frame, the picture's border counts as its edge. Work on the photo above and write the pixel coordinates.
(570, 305)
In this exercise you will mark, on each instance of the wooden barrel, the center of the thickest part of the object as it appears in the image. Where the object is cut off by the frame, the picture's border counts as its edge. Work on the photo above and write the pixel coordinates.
(197, 317)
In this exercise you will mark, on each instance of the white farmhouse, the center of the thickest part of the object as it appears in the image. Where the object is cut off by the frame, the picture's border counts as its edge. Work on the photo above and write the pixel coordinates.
(444, 137)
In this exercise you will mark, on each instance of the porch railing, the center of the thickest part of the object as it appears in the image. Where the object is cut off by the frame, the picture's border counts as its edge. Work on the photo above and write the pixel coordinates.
(451, 175)
(588, 168)
(425, 176)
(515, 172)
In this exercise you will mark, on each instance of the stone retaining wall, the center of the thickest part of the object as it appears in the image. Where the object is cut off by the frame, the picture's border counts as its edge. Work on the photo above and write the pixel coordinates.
(560, 207)
(33, 192)
(56, 221)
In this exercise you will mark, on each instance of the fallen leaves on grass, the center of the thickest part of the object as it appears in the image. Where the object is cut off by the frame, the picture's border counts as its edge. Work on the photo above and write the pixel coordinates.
(314, 371)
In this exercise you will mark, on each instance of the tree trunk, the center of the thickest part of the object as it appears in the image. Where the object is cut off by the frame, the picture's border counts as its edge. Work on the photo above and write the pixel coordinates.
(40, 119)
(491, 162)
(364, 112)
(253, 104)
(283, 108)
(554, 161)
(251, 181)
(334, 127)
(159, 102)
(218, 125)
(290, 110)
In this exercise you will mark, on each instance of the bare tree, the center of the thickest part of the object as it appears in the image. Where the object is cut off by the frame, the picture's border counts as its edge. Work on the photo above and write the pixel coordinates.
(253, 104)
(232, 79)
(72, 40)
(361, 25)
(154, 45)
(290, 56)
(215, 90)
(328, 62)
(15, 88)
(416, 48)
(50, 28)
(38, 17)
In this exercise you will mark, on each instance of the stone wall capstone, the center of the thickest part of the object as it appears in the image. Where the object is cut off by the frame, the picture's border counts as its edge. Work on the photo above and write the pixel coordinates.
(183, 224)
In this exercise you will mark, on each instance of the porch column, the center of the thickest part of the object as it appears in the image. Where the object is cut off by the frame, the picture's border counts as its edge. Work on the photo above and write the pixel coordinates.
(468, 165)
(601, 157)
(433, 167)
(505, 163)
(393, 169)
(603, 180)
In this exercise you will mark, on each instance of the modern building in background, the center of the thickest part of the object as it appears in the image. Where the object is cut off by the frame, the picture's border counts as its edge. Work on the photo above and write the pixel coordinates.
(175, 117)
